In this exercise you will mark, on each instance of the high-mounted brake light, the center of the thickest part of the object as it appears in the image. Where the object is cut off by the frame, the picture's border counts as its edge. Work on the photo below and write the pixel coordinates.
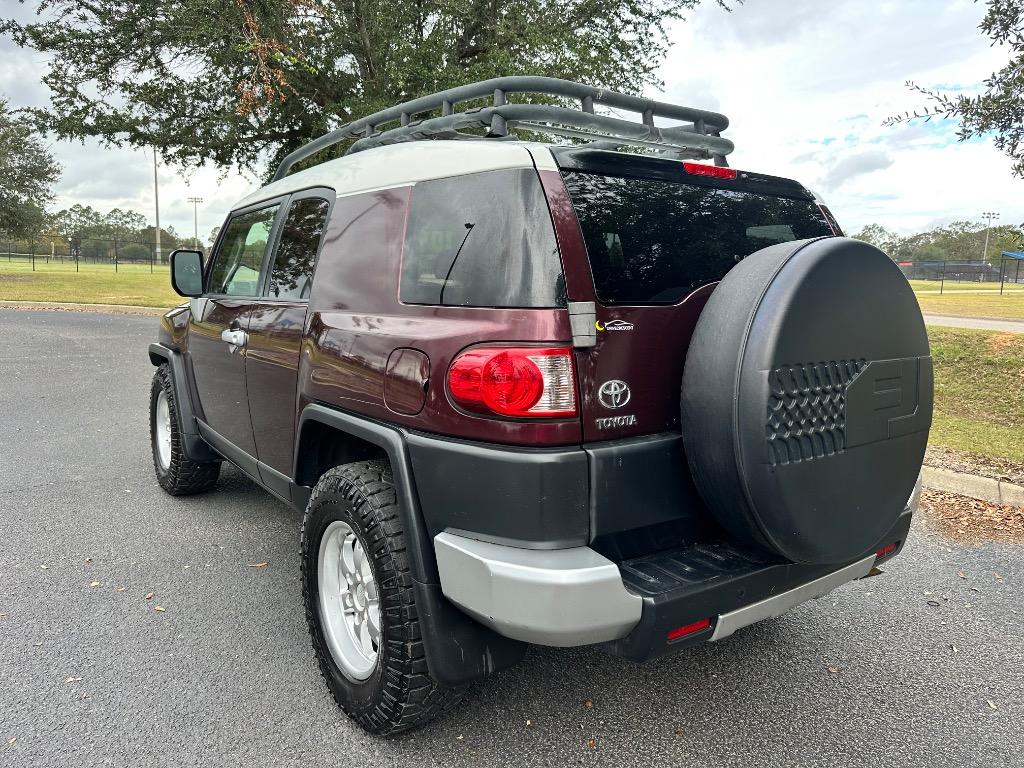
(689, 629)
(712, 171)
(524, 382)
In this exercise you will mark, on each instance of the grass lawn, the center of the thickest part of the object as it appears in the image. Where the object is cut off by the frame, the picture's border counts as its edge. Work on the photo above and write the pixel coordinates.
(93, 284)
(979, 391)
(951, 286)
(1008, 307)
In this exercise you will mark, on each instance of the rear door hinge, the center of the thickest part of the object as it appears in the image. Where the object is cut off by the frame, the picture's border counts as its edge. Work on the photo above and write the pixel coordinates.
(583, 322)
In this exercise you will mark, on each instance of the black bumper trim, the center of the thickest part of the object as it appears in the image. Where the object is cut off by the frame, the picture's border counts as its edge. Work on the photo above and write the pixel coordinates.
(526, 497)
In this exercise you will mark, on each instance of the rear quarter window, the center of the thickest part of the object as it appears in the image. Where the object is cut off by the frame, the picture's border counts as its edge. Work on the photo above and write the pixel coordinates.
(481, 240)
(653, 241)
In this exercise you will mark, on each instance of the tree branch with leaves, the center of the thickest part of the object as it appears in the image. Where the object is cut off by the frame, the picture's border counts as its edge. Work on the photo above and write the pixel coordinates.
(999, 109)
(242, 83)
(27, 175)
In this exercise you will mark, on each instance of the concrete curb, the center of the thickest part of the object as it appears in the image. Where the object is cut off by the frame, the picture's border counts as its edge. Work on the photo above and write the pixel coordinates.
(63, 306)
(984, 488)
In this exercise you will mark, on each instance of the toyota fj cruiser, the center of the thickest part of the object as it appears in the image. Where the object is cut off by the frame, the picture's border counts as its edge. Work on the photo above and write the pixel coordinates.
(538, 393)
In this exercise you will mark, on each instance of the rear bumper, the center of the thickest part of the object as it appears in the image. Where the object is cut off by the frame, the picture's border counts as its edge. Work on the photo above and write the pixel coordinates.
(560, 597)
(776, 605)
(576, 596)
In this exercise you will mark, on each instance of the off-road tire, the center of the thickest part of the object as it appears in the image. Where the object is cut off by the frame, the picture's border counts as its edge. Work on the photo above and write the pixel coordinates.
(399, 694)
(182, 476)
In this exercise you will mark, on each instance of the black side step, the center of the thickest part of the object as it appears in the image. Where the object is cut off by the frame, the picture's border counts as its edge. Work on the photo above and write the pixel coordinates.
(702, 581)
(690, 567)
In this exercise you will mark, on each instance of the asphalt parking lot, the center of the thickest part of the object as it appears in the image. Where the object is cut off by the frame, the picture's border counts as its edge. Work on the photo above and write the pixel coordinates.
(921, 666)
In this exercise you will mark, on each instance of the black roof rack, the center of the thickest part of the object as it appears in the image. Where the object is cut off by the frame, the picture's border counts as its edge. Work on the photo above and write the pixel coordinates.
(697, 136)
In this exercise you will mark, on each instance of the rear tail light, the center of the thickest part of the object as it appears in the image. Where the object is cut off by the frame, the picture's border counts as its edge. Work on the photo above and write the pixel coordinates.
(524, 382)
(689, 629)
(712, 171)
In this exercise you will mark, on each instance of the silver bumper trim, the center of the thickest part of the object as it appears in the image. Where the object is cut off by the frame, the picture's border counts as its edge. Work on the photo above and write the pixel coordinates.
(777, 605)
(561, 597)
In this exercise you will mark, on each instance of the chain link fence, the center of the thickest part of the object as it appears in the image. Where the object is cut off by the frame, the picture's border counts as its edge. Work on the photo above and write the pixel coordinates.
(78, 253)
(966, 275)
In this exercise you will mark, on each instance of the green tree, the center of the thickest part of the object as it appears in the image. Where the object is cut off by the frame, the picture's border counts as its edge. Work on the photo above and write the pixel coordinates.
(961, 241)
(123, 225)
(169, 240)
(999, 109)
(242, 82)
(878, 236)
(27, 173)
(78, 225)
(134, 252)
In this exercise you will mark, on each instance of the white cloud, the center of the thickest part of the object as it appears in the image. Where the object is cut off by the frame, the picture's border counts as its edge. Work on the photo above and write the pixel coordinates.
(108, 178)
(807, 84)
(855, 165)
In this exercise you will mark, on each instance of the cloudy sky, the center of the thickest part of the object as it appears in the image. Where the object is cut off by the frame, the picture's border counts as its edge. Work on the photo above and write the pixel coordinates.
(805, 83)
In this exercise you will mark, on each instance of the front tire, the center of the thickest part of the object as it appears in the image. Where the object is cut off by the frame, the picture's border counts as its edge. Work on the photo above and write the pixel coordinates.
(360, 604)
(175, 471)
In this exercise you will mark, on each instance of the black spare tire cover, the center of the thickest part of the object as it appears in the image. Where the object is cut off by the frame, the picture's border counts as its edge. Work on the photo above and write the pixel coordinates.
(807, 399)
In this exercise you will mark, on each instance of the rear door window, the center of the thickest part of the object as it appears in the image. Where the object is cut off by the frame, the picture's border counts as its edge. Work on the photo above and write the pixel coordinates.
(292, 274)
(653, 241)
(237, 264)
(482, 240)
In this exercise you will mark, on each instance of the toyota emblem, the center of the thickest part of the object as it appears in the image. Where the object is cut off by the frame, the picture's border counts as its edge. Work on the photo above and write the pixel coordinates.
(613, 394)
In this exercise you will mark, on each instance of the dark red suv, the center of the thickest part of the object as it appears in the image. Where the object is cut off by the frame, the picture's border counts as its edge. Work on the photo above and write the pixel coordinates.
(537, 393)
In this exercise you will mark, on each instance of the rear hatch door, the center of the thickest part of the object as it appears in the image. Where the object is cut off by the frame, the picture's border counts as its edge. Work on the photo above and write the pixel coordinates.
(652, 238)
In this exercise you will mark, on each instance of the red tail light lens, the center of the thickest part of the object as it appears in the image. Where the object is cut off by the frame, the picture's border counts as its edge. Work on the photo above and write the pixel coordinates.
(888, 549)
(712, 171)
(689, 629)
(526, 382)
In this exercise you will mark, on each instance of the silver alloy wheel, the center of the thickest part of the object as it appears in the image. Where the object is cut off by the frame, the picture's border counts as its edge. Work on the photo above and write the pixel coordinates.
(349, 601)
(163, 431)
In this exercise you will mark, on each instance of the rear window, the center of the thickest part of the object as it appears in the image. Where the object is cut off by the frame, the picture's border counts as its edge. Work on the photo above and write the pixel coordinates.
(653, 242)
(482, 240)
(292, 275)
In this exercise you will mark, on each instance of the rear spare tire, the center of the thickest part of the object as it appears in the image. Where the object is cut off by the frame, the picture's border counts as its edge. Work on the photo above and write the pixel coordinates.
(807, 399)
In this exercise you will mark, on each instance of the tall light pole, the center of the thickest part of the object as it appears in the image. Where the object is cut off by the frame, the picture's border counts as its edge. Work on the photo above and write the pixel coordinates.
(988, 216)
(156, 197)
(195, 218)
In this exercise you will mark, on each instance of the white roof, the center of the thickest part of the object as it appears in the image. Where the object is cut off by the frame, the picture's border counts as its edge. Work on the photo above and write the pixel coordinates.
(406, 163)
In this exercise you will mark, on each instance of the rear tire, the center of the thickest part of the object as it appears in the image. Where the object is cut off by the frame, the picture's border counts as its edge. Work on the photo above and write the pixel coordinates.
(175, 471)
(385, 688)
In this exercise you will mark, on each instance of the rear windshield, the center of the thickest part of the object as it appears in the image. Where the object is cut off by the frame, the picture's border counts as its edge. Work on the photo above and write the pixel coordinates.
(482, 240)
(653, 242)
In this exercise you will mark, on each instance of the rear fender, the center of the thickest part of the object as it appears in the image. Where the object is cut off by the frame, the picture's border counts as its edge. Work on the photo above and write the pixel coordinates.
(458, 649)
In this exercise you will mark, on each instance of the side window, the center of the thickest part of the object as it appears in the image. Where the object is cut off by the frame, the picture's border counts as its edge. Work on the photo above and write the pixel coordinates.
(236, 266)
(292, 274)
(482, 240)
